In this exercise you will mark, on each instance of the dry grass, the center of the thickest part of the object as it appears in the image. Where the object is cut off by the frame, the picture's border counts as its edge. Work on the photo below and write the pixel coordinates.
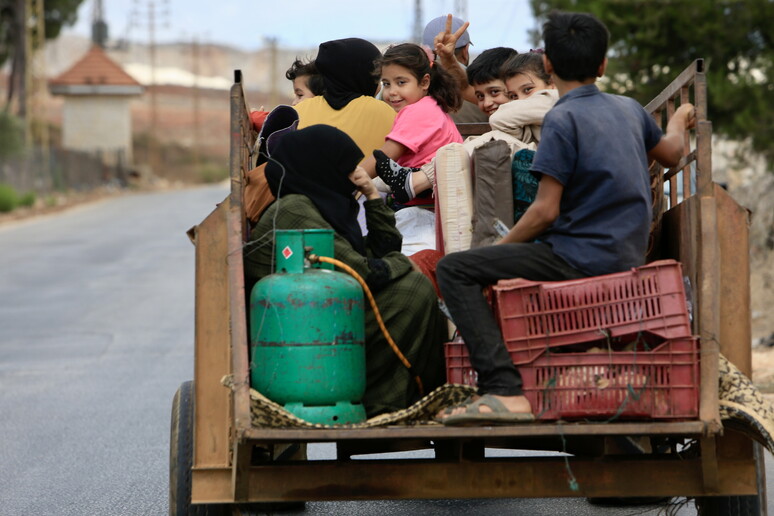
(763, 368)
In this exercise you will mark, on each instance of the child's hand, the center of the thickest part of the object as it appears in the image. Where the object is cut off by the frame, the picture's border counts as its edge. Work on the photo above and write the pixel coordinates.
(445, 42)
(688, 114)
(363, 183)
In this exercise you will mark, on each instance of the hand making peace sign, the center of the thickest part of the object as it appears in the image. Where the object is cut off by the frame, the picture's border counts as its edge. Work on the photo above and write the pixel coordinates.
(445, 42)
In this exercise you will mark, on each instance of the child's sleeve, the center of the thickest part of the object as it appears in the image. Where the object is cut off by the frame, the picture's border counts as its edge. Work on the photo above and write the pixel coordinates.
(512, 116)
(651, 131)
(557, 152)
(383, 237)
(416, 124)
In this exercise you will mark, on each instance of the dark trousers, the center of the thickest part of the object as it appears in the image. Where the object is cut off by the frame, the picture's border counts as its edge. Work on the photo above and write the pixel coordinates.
(461, 278)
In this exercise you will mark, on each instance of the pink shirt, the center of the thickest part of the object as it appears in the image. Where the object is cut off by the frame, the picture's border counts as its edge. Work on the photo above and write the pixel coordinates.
(423, 128)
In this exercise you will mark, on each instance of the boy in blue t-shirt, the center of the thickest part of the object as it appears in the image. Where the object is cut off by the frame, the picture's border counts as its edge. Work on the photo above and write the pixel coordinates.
(591, 215)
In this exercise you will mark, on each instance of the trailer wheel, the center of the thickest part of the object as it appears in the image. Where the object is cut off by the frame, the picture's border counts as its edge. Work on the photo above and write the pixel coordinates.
(751, 505)
(728, 506)
(181, 458)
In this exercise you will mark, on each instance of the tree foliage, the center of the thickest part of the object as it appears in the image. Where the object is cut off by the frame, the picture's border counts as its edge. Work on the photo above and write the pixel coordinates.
(11, 136)
(58, 13)
(653, 41)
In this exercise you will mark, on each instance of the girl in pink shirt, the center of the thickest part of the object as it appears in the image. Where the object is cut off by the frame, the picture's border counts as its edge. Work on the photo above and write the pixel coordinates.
(423, 94)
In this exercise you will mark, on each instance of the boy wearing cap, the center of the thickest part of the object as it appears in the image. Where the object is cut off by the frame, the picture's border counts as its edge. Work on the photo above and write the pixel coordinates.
(460, 57)
(480, 82)
(439, 25)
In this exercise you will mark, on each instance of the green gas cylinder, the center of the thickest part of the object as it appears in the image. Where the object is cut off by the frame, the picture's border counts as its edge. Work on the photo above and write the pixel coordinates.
(307, 333)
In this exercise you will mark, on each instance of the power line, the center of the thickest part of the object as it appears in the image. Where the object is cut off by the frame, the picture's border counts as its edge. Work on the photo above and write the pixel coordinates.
(156, 14)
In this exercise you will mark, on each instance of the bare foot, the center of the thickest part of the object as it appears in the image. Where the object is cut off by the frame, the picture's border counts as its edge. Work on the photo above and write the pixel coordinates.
(516, 404)
(448, 411)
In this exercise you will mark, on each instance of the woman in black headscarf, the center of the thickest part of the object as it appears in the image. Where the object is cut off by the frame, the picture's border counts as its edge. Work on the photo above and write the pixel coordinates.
(347, 66)
(313, 173)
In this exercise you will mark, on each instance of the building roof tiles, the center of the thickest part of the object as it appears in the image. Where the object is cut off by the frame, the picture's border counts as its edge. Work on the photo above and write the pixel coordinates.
(95, 69)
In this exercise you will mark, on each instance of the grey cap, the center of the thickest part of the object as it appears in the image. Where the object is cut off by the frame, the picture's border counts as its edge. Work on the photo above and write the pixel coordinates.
(437, 25)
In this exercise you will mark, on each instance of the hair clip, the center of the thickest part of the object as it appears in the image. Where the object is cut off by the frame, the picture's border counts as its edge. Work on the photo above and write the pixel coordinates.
(537, 51)
(429, 52)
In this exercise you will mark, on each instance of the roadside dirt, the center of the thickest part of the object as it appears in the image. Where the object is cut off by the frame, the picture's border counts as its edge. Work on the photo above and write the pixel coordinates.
(61, 201)
(763, 369)
(762, 294)
(762, 300)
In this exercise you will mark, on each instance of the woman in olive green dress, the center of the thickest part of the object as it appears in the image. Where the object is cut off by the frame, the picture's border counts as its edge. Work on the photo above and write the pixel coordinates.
(313, 173)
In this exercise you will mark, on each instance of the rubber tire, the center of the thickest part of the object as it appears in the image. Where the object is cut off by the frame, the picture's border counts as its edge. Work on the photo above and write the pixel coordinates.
(181, 458)
(738, 505)
(728, 506)
(614, 501)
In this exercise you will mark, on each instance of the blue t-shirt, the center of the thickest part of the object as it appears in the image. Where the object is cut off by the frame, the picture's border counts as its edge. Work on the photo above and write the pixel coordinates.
(596, 145)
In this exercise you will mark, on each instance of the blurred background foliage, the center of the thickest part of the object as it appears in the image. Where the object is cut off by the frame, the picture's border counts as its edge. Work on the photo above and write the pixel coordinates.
(58, 13)
(653, 41)
(11, 135)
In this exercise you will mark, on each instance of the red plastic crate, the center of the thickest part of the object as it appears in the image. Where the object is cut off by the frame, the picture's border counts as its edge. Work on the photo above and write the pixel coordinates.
(662, 383)
(535, 316)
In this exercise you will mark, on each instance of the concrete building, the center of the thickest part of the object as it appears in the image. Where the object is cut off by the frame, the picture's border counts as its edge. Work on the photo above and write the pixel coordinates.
(96, 113)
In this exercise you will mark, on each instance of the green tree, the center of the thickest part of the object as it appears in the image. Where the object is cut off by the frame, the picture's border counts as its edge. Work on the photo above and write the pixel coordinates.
(11, 136)
(57, 13)
(652, 41)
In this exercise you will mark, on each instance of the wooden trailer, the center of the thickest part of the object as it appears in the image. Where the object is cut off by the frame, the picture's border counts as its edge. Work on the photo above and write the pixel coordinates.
(219, 461)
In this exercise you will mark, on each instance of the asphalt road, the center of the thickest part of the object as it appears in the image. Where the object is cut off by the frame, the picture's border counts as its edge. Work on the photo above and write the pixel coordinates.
(96, 334)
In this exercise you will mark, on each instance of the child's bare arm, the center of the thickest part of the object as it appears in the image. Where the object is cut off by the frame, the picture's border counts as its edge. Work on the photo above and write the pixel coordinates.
(670, 149)
(363, 183)
(445, 43)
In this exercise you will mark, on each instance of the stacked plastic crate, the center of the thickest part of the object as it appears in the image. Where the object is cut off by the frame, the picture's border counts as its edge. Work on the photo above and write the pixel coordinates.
(604, 347)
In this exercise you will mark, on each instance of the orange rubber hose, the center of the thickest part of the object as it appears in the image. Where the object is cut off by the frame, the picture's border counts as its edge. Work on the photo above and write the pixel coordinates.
(314, 259)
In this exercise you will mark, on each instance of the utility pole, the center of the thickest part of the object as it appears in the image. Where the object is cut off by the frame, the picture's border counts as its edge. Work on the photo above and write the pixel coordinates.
(99, 28)
(154, 17)
(25, 92)
(195, 49)
(152, 90)
(418, 25)
(18, 80)
(271, 42)
(35, 124)
(461, 9)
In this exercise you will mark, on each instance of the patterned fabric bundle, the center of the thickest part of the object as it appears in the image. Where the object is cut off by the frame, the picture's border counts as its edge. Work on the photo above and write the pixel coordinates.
(525, 183)
(742, 407)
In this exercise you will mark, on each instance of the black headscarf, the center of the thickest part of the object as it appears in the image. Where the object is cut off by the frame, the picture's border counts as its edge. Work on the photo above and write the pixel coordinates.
(347, 66)
(317, 161)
